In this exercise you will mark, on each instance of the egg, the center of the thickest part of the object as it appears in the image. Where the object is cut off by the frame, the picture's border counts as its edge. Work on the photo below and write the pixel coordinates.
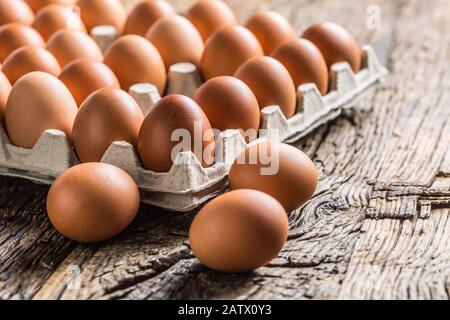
(103, 12)
(68, 45)
(335, 43)
(271, 29)
(15, 11)
(28, 59)
(171, 113)
(209, 16)
(227, 49)
(270, 82)
(229, 104)
(5, 89)
(106, 116)
(15, 35)
(177, 40)
(304, 62)
(278, 169)
(55, 17)
(92, 202)
(135, 60)
(83, 76)
(38, 102)
(37, 5)
(145, 14)
(239, 231)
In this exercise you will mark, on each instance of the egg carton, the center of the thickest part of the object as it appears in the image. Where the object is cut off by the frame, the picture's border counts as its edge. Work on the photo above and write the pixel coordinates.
(187, 185)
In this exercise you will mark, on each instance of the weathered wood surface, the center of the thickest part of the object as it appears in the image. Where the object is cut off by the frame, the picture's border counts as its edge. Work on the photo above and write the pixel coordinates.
(378, 227)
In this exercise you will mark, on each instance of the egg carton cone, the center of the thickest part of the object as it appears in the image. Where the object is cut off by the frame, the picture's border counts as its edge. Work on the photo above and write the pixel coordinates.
(188, 185)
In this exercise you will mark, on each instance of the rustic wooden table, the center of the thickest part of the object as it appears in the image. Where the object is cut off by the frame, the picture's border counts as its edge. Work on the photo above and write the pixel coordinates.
(378, 227)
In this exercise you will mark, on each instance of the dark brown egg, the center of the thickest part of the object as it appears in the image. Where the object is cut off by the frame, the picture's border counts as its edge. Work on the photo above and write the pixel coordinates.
(227, 49)
(83, 76)
(103, 12)
(70, 45)
(38, 102)
(92, 202)
(15, 11)
(135, 60)
(304, 62)
(145, 14)
(280, 170)
(171, 113)
(271, 29)
(209, 16)
(177, 40)
(15, 35)
(28, 59)
(5, 89)
(37, 5)
(335, 43)
(239, 231)
(106, 116)
(270, 82)
(229, 104)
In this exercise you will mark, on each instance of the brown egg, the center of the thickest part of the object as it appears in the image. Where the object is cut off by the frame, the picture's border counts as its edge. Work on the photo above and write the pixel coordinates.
(69, 45)
(135, 60)
(239, 231)
(174, 112)
(38, 102)
(229, 104)
(145, 14)
(92, 202)
(335, 43)
(83, 76)
(15, 35)
(15, 11)
(55, 17)
(280, 170)
(5, 89)
(103, 12)
(271, 29)
(36, 5)
(106, 116)
(304, 62)
(227, 49)
(209, 16)
(28, 59)
(177, 40)
(270, 82)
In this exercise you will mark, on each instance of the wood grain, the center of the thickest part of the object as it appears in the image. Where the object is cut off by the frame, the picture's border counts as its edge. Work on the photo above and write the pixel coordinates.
(377, 228)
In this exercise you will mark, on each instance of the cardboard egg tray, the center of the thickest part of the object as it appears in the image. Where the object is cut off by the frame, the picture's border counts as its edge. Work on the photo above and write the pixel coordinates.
(188, 185)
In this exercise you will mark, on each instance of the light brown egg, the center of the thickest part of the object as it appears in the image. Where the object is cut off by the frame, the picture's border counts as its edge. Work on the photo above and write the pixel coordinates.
(209, 16)
(271, 29)
(69, 45)
(280, 170)
(135, 60)
(15, 35)
(229, 104)
(106, 116)
(227, 49)
(15, 11)
(5, 89)
(37, 5)
(103, 12)
(304, 62)
(92, 202)
(270, 82)
(83, 76)
(239, 231)
(28, 59)
(38, 102)
(335, 43)
(145, 14)
(55, 17)
(174, 112)
(177, 40)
